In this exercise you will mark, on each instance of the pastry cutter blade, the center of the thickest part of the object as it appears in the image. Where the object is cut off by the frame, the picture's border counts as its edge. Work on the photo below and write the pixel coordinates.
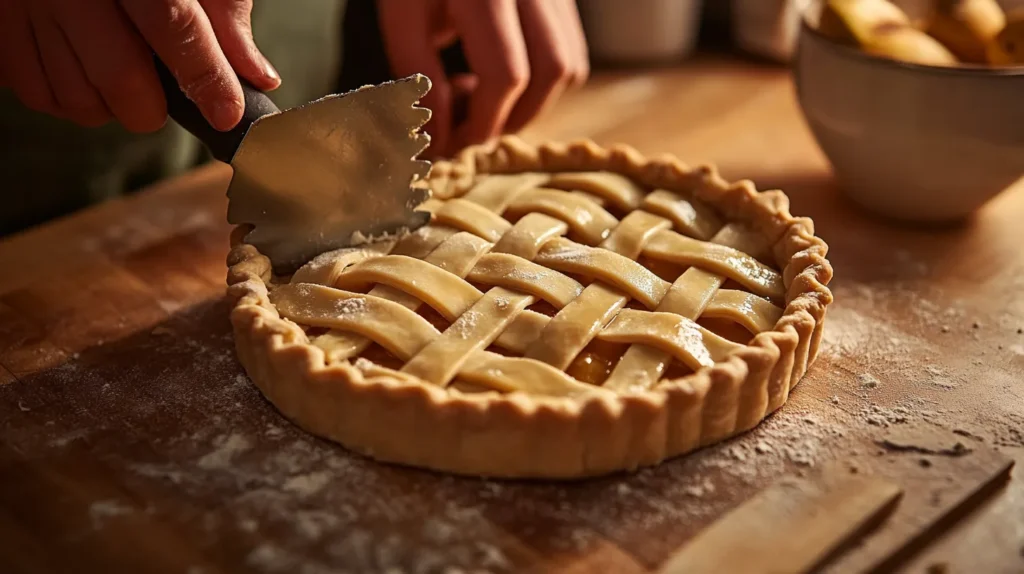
(336, 172)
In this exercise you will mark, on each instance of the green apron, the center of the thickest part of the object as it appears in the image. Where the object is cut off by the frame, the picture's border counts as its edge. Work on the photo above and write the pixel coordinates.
(51, 167)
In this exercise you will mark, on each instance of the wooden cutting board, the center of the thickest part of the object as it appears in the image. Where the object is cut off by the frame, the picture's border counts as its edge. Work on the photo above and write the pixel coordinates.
(130, 439)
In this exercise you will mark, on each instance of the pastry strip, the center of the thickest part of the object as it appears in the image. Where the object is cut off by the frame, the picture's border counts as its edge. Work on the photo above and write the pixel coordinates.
(457, 255)
(525, 276)
(401, 331)
(508, 374)
(719, 259)
(575, 325)
(754, 313)
(472, 217)
(529, 233)
(496, 192)
(689, 218)
(620, 272)
(585, 218)
(687, 341)
(474, 330)
(633, 232)
(448, 294)
(618, 190)
(642, 366)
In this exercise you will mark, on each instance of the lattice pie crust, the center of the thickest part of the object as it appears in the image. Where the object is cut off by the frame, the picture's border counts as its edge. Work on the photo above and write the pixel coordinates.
(570, 311)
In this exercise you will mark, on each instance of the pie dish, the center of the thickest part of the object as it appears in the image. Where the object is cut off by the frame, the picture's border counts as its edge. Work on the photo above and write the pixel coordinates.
(571, 310)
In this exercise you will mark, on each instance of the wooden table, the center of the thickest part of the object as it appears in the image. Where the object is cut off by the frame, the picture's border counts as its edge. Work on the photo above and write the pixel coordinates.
(132, 441)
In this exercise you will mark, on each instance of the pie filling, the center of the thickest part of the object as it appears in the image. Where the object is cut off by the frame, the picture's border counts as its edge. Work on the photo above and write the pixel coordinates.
(563, 284)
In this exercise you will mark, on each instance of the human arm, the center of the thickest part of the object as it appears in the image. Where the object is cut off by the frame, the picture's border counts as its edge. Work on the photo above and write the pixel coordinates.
(90, 62)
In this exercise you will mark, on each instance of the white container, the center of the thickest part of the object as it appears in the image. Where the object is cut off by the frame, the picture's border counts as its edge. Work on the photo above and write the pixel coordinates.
(768, 28)
(640, 31)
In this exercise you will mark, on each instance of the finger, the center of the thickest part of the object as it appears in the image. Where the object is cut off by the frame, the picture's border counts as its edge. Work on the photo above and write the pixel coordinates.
(409, 45)
(232, 23)
(442, 30)
(551, 60)
(78, 99)
(23, 69)
(180, 33)
(116, 61)
(463, 86)
(577, 39)
(492, 40)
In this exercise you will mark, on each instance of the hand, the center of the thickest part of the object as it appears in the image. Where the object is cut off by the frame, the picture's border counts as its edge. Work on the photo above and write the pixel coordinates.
(89, 61)
(523, 55)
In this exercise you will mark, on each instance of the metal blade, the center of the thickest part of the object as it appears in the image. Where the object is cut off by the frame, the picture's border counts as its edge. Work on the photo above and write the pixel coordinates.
(332, 173)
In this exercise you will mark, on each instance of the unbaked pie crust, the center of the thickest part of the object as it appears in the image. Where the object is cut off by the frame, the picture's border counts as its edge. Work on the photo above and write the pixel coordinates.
(570, 311)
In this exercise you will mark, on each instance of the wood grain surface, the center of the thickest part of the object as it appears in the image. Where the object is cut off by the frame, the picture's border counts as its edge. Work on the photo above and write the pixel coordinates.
(131, 440)
(795, 525)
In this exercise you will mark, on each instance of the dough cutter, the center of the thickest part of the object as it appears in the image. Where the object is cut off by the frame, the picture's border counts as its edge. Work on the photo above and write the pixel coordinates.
(333, 173)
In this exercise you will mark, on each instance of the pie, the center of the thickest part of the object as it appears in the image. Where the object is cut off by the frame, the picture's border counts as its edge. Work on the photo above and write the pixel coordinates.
(569, 311)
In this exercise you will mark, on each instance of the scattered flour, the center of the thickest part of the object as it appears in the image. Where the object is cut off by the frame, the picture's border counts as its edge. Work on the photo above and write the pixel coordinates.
(465, 324)
(250, 471)
(524, 275)
(867, 381)
(936, 377)
(161, 472)
(101, 510)
(227, 447)
(326, 506)
(883, 416)
(171, 307)
(70, 437)
(364, 364)
(862, 329)
(271, 558)
(699, 490)
(312, 524)
(1009, 430)
(784, 438)
(351, 306)
(307, 484)
(248, 524)
(943, 383)
(307, 491)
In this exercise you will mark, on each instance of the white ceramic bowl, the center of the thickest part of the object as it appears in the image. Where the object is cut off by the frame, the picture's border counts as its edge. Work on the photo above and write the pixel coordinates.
(640, 31)
(911, 142)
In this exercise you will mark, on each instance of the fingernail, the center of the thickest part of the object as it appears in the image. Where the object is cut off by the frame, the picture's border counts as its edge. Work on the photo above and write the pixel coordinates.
(269, 70)
(224, 116)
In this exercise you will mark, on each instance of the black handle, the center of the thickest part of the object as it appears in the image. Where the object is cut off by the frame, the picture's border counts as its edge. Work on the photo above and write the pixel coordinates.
(222, 145)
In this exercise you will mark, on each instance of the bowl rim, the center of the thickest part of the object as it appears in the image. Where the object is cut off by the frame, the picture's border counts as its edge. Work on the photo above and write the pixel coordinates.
(967, 70)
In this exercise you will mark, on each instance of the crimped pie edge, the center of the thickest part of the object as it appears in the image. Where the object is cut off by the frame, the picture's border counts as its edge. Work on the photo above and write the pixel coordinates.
(528, 436)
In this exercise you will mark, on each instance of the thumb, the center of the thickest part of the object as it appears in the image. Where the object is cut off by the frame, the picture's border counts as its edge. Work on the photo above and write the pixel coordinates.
(232, 24)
